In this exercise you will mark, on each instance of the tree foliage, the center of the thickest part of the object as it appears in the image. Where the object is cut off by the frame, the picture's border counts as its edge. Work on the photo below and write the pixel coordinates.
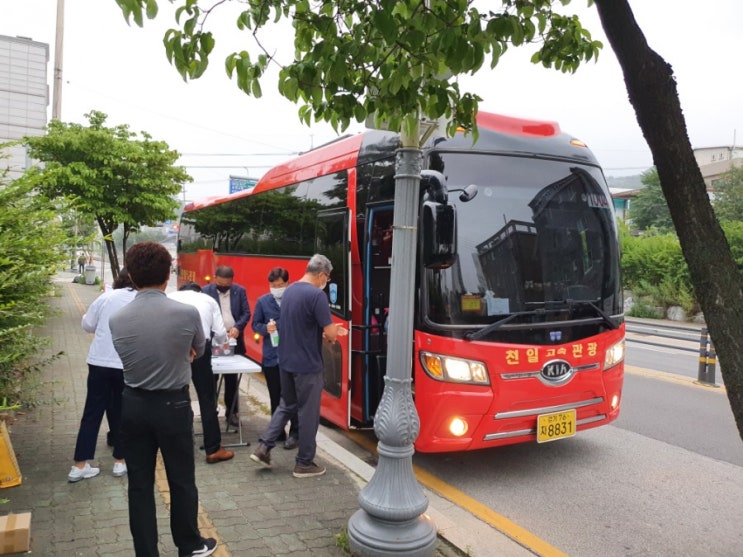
(729, 195)
(397, 59)
(30, 241)
(649, 210)
(391, 59)
(108, 173)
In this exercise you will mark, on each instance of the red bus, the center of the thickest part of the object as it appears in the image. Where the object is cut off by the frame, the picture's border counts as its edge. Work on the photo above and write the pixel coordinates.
(519, 326)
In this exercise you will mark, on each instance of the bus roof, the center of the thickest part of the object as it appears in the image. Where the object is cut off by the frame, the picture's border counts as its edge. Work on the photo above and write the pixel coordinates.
(326, 159)
(497, 132)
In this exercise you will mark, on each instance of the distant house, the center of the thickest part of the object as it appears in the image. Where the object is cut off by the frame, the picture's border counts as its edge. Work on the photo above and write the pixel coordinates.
(716, 161)
(622, 200)
(622, 190)
(713, 162)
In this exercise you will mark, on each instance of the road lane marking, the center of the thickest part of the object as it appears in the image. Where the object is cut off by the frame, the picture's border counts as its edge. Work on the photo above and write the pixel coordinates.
(517, 533)
(507, 527)
(672, 378)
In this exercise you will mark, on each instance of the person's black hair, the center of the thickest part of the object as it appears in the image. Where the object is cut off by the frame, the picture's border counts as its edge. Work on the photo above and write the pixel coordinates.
(123, 280)
(148, 264)
(190, 286)
(278, 273)
(224, 271)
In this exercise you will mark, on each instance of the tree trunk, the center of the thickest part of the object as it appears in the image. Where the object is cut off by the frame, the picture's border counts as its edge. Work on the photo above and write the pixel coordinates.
(113, 257)
(718, 283)
(125, 239)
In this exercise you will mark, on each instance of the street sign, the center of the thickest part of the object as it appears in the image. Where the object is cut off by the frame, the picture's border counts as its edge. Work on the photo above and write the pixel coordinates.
(241, 184)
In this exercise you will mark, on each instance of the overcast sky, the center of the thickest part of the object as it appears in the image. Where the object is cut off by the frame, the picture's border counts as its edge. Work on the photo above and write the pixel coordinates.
(123, 72)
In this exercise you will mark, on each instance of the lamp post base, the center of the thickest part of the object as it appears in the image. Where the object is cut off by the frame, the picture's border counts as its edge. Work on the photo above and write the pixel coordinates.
(372, 537)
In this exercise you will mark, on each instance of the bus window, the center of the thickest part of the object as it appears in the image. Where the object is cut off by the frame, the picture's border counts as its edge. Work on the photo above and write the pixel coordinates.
(331, 240)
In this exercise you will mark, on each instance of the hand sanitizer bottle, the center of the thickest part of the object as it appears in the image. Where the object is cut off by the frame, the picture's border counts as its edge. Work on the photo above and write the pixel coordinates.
(274, 335)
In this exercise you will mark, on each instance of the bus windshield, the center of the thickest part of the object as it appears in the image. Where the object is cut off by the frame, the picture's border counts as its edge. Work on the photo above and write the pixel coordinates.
(537, 244)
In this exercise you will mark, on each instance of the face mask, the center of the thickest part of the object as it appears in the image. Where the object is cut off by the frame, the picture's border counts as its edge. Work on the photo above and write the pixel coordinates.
(278, 292)
(223, 289)
(323, 285)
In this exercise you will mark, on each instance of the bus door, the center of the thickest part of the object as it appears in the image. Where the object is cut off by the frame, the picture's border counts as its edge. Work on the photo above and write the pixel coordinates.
(377, 269)
(332, 239)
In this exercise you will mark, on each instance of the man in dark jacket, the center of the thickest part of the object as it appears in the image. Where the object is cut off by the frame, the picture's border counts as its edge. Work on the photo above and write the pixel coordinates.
(233, 301)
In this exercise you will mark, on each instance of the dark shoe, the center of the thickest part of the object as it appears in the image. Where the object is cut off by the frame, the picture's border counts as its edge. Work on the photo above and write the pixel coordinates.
(209, 547)
(234, 420)
(302, 471)
(262, 455)
(219, 456)
(291, 443)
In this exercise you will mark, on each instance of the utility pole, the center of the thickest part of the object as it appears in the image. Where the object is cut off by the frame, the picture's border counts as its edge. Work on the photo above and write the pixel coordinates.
(57, 86)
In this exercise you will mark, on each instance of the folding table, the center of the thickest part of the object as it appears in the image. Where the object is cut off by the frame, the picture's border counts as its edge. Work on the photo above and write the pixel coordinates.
(240, 365)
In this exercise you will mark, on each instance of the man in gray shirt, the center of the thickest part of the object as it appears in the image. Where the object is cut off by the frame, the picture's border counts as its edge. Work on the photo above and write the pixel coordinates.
(156, 339)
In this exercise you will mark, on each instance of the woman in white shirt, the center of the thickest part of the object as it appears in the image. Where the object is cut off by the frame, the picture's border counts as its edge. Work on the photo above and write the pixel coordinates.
(105, 382)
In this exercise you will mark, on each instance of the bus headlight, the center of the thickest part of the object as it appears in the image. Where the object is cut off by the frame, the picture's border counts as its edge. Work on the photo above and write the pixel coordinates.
(458, 370)
(614, 355)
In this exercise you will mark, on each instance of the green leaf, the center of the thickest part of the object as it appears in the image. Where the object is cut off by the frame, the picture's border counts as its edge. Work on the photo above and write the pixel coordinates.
(151, 9)
(256, 89)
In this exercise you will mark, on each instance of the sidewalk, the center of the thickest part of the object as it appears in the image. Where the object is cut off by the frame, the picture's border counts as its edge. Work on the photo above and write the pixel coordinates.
(251, 511)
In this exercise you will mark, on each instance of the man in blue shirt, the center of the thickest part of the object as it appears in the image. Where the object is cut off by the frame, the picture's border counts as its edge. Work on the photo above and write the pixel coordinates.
(305, 324)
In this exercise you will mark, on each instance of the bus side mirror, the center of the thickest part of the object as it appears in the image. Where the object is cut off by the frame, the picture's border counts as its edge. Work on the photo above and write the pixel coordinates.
(438, 235)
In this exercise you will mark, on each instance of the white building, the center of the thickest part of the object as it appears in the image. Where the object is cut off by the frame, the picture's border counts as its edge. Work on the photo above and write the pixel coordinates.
(24, 98)
(714, 162)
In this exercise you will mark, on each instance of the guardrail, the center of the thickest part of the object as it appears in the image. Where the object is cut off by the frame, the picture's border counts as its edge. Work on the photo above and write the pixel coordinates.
(706, 350)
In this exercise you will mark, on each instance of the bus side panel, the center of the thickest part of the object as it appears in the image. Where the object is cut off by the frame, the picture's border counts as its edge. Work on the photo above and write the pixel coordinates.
(195, 267)
(252, 273)
(334, 404)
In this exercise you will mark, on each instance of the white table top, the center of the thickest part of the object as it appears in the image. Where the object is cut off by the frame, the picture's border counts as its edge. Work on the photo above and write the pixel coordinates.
(234, 364)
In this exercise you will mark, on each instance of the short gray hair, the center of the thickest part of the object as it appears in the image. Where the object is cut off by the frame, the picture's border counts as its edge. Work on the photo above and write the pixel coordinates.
(319, 264)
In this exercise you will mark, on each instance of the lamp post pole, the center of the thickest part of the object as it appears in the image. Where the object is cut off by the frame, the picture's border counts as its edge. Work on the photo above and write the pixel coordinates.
(391, 520)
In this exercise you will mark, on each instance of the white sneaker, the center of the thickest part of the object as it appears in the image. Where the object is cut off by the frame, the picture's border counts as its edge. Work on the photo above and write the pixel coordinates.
(119, 469)
(76, 474)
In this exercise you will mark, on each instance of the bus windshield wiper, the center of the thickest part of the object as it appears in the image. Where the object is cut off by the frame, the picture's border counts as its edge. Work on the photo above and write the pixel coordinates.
(551, 307)
(573, 304)
(480, 333)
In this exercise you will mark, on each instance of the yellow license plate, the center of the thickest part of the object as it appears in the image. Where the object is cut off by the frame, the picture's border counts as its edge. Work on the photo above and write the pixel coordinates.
(556, 425)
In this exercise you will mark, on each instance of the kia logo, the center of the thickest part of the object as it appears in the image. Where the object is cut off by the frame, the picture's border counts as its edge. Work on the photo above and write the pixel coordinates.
(556, 371)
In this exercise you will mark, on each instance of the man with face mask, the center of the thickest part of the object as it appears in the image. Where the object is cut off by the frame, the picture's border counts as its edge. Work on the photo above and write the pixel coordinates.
(233, 301)
(266, 320)
(305, 324)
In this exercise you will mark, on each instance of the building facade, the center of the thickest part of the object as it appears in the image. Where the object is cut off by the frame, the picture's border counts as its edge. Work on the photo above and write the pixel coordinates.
(24, 98)
(715, 162)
